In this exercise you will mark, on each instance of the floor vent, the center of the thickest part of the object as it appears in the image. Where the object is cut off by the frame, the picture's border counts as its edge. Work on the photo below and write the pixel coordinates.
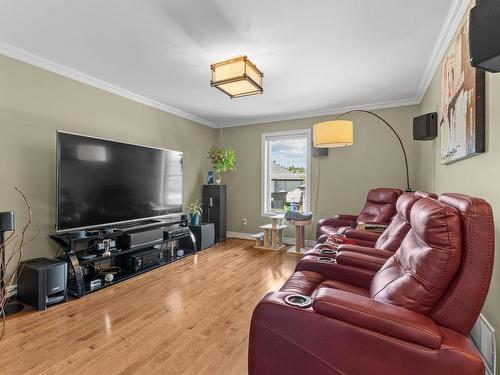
(483, 337)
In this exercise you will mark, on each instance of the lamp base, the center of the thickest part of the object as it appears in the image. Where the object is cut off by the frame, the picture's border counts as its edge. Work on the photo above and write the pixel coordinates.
(13, 308)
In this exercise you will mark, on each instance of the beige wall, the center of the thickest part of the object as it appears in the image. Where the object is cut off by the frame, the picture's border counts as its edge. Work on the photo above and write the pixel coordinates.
(477, 176)
(347, 173)
(35, 103)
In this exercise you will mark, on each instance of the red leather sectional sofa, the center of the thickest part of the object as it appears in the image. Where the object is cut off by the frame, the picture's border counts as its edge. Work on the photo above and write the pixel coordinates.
(409, 314)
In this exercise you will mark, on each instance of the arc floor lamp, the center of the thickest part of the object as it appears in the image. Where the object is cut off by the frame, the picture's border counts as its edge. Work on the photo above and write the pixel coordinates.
(339, 133)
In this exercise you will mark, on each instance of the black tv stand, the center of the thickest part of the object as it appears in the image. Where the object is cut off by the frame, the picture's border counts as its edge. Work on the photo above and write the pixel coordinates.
(83, 271)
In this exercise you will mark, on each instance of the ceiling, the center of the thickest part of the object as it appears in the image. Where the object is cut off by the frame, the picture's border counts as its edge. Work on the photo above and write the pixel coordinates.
(318, 57)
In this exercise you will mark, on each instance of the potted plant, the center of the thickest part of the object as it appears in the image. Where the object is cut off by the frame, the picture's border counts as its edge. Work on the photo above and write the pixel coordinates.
(223, 160)
(195, 212)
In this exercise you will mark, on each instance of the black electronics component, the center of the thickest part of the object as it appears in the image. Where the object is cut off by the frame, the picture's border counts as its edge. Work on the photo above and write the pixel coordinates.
(141, 259)
(132, 239)
(425, 127)
(214, 209)
(41, 282)
(86, 256)
(484, 35)
(175, 232)
(204, 235)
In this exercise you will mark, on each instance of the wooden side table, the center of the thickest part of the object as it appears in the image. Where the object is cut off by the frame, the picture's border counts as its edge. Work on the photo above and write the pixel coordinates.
(300, 240)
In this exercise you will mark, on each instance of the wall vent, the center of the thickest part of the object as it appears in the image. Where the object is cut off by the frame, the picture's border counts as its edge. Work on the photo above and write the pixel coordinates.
(483, 337)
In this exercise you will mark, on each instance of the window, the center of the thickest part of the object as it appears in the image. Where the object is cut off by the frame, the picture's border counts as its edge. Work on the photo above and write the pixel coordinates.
(286, 171)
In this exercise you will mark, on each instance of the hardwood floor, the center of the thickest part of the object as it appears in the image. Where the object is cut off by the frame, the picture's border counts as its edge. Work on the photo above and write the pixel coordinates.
(189, 317)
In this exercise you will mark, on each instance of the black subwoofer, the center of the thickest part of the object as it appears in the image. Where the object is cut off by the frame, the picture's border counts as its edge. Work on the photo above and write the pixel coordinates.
(41, 282)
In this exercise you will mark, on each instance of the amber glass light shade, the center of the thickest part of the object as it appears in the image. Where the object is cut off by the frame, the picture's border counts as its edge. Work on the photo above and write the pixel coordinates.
(237, 77)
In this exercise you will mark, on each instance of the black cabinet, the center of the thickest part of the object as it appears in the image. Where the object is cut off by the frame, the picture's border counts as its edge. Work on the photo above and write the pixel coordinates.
(214, 209)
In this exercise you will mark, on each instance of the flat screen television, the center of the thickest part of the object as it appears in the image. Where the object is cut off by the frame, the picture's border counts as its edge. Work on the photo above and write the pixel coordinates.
(104, 183)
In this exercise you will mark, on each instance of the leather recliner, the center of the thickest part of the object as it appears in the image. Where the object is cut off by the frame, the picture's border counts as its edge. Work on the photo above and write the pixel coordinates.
(387, 242)
(380, 207)
(411, 317)
(369, 238)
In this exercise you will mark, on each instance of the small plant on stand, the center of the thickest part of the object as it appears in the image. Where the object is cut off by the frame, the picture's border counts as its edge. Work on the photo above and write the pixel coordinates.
(195, 211)
(223, 160)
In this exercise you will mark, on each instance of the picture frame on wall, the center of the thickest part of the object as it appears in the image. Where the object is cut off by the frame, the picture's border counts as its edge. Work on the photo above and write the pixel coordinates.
(462, 112)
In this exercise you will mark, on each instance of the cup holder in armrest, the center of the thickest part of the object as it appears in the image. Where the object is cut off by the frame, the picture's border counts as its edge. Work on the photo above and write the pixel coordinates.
(328, 251)
(298, 300)
(326, 260)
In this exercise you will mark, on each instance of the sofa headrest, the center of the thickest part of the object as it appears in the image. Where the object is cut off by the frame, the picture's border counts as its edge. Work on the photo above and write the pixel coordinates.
(404, 205)
(383, 195)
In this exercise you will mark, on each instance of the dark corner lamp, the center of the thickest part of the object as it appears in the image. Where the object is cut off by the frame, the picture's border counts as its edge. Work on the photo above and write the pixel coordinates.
(6, 225)
(339, 133)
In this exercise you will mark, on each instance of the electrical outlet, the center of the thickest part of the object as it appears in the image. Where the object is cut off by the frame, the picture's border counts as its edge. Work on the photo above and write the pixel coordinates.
(244, 221)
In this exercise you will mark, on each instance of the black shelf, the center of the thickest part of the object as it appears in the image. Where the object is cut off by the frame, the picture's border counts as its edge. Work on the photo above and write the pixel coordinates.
(80, 270)
(113, 254)
(120, 278)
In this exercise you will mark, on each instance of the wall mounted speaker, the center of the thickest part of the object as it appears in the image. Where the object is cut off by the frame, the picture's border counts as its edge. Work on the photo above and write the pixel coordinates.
(318, 151)
(425, 127)
(484, 35)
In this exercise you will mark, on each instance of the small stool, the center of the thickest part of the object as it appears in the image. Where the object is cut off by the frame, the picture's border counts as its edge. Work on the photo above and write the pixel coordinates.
(300, 240)
(258, 238)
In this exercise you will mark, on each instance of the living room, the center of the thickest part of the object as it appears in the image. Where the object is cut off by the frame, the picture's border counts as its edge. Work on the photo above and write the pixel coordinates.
(269, 188)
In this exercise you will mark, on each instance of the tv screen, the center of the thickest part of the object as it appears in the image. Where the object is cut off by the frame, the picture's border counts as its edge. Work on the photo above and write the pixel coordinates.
(102, 182)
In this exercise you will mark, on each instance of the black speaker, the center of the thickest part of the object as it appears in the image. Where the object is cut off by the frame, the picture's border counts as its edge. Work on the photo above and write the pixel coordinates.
(7, 223)
(425, 127)
(214, 209)
(204, 234)
(41, 282)
(484, 35)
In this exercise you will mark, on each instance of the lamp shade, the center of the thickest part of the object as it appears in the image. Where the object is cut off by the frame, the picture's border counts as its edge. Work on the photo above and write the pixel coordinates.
(336, 133)
(237, 77)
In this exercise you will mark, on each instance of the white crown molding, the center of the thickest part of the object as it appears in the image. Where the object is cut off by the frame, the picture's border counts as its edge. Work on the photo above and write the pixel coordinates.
(323, 112)
(40, 62)
(448, 31)
(450, 27)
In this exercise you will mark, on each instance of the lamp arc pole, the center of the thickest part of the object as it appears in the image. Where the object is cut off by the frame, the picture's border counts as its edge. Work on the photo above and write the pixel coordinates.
(408, 188)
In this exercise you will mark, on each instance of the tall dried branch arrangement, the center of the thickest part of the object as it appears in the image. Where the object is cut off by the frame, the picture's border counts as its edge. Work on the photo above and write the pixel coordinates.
(16, 242)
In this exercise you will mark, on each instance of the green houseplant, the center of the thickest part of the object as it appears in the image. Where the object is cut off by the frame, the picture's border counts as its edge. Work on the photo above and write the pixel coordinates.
(195, 212)
(223, 160)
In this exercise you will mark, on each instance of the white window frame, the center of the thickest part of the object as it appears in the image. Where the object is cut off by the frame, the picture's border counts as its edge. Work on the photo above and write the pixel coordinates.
(265, 200)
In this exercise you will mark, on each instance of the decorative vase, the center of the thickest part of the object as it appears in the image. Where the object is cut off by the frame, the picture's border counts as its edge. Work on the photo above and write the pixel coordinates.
(218, 181)
(195, 219)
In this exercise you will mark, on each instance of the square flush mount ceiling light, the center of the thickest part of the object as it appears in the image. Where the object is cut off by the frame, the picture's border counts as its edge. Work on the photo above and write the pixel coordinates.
(237, 77)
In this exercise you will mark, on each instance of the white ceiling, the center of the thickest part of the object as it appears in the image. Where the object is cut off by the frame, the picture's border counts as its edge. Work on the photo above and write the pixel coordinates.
(318, 57)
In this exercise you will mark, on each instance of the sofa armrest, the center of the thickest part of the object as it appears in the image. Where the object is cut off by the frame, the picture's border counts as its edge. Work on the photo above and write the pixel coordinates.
(385, 254)
(384, 318)
(359, 260)
(362, 234)
(330, 270)
(346, 217)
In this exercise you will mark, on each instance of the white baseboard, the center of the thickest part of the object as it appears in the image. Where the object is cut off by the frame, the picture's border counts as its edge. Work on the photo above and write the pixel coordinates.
(248, 236)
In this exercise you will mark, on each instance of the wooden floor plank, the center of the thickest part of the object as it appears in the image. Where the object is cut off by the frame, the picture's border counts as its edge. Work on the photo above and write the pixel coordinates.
(189, 317)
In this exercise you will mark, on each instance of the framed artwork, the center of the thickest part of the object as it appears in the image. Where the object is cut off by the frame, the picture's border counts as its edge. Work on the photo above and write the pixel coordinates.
(462, 112)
